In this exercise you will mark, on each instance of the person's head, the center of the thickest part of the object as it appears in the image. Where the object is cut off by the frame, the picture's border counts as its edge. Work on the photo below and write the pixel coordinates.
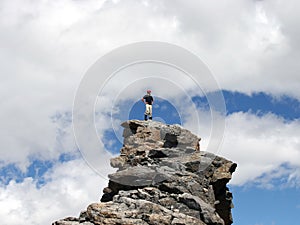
(148, 92)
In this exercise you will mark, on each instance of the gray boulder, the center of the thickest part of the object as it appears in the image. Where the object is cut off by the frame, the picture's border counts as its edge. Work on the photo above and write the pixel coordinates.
(162, 178)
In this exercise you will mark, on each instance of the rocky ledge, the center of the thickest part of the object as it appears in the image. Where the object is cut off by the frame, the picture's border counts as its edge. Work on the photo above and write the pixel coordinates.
(162, 178)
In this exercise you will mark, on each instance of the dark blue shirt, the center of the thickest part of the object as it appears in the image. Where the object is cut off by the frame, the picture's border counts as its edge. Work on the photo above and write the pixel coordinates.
(148, 99)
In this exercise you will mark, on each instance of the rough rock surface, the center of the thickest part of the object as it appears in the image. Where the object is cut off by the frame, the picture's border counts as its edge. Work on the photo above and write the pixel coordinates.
(162, 178)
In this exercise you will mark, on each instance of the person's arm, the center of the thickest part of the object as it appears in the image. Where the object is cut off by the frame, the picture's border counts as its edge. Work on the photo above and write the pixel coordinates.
(143, 100)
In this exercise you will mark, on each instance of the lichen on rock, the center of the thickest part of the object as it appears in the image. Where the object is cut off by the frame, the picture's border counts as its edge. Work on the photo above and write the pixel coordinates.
(162, 178)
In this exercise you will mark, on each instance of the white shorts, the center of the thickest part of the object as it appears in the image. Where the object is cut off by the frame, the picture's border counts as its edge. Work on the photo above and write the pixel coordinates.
(148, 110)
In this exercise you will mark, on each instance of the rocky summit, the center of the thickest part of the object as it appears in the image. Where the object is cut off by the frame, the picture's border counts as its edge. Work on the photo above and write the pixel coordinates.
(162, 177)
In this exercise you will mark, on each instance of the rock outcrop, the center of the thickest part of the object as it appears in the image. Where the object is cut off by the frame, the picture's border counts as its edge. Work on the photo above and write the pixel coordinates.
(162, 178)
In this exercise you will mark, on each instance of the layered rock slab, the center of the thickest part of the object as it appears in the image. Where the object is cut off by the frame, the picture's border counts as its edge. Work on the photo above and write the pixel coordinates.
(162, 177)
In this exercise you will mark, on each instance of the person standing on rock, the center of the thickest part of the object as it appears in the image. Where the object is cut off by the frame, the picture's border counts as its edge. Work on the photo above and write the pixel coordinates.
(148, 100)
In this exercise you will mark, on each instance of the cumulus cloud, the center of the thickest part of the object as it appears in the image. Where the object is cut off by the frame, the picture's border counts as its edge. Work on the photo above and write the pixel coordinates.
(71, 187)
(260, 145)
(249, 45)
(46, 47)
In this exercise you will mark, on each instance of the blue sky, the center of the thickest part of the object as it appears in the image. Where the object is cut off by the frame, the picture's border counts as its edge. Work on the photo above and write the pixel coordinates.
(251, 48)
(276, 206)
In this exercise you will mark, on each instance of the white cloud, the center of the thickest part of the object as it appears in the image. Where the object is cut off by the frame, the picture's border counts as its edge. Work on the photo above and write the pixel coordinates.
(71, 187)
(250, 45)
(260, 145)
(294, 177)
(46, 46)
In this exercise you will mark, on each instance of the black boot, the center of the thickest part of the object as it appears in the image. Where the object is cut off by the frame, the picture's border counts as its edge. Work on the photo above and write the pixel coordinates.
(150, 118)
(145, 117)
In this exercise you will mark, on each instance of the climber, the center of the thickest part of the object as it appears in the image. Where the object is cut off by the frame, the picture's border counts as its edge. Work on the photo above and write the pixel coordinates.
(148, 100)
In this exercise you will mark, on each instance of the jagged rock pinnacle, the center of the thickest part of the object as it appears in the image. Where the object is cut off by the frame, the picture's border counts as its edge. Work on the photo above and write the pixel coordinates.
(162, 178)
